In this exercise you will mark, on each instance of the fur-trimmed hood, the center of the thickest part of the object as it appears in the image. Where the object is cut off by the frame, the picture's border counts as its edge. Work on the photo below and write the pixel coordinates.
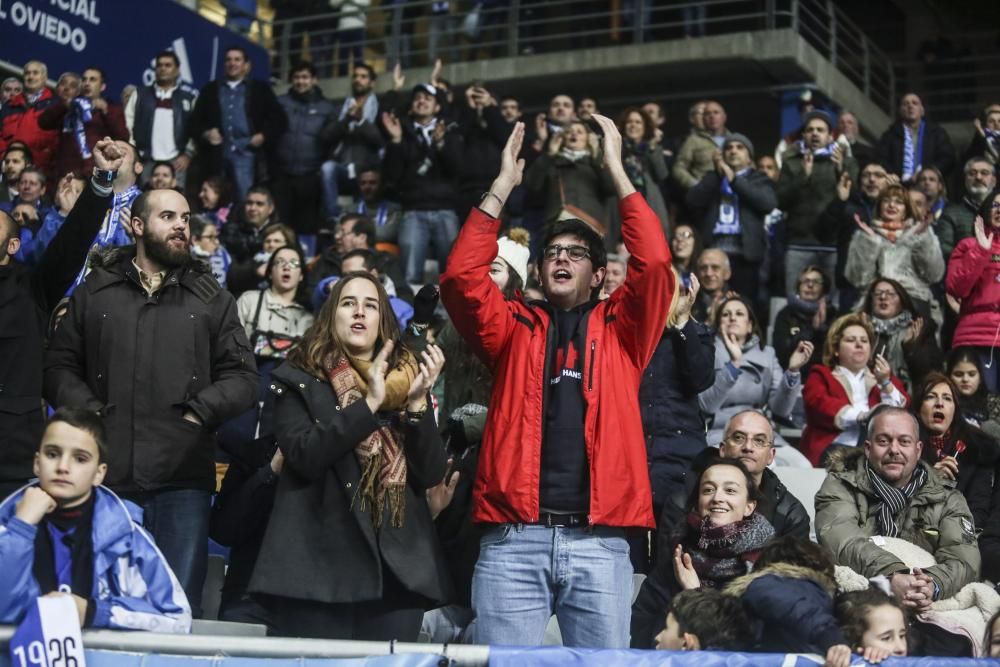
(737, 587)
(843, 459)
(108, 257)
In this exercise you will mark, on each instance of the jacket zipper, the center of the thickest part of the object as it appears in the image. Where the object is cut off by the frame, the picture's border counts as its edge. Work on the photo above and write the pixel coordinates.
(590, 374)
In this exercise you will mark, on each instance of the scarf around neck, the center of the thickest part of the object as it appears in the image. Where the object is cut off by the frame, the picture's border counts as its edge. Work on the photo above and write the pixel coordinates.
(728, 220)
(64, 551)
(942, 446)
(913, 155)
(380, 455)
(893, 500)
(574, 156)
(823, 152)
(722, 553)
(369, 112)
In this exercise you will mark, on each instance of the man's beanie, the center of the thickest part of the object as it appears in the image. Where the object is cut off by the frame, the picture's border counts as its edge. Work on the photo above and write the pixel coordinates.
(740, 139)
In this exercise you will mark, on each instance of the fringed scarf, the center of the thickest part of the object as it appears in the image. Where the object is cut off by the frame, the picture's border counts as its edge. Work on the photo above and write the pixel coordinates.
(913, 155)
(722, 553)
(728, 220)
(633, 154)
(380, 455)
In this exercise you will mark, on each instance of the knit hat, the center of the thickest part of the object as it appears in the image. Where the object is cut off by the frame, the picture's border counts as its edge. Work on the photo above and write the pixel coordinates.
(816, 113)
(514, 251)
(740, 139)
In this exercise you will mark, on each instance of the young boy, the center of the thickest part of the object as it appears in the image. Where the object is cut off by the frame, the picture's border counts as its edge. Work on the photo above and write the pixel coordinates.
(704, 619)
(67, 535)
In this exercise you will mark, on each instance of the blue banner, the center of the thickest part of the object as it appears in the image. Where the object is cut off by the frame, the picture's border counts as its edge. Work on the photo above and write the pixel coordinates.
(116, 659)
(501, 656)
(122, 37)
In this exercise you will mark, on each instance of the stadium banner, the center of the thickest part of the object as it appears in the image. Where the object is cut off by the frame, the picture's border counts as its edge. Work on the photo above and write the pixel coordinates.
(122, 37)
(101, 658)
(559, 657)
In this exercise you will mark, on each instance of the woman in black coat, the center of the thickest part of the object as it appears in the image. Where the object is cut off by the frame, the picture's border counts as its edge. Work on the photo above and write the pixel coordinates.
(350, 551)
(807, 317)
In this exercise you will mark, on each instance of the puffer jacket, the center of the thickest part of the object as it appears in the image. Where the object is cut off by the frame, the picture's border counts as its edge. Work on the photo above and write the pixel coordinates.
(694, 159)
(792, 606)
(19, 122)
(974, 277)
(914, 261)
(681, 367)
(938, 516)
(134, 588)
(512, 338)
(302, 148)
(143, 361)
(760, 383)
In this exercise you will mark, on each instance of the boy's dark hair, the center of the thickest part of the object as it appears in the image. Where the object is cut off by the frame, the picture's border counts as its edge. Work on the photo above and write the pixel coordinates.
(367, 256)
(94, 68)
(579, 228)
(23, 150)
(302, 66)
(164, 163)
(851, 610)
(168, 54)
(372, 74)
(716, 619)
(796, 551)
(237, 47)
(85, 420)
(198, 223)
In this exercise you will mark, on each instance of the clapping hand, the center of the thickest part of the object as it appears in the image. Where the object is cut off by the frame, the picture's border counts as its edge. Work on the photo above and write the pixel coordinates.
(511, 166)
(431, 362)
(984, 240)
(439, 497)
(398, 78)
(684, 570)
(800, 356)
(863, 226)
(844, 186)
(807, 164)
(913, 330)
(392, 126)
(376, 377)
(612, 142)
(837, 157)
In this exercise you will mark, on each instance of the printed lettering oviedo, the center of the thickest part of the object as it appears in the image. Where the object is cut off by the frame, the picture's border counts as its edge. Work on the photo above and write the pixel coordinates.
(49, 21)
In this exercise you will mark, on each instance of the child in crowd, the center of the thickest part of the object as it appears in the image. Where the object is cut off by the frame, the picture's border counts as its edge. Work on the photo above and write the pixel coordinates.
(67, 535)
(705, 619)
(874, 625)
(991, 644)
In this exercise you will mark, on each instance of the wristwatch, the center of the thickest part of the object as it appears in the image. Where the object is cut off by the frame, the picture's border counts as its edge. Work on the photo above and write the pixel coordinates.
(104, 177)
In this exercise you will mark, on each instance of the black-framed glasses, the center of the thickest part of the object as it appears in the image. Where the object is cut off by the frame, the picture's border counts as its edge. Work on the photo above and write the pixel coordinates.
(574, 252)
(289, 263)
(758, 441)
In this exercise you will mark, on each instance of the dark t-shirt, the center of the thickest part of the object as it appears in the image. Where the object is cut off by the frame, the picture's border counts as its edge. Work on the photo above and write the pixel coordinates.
(565, 474)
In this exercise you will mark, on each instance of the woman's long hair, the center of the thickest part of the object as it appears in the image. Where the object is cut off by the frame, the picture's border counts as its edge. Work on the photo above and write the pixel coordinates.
(965, 354)
(320, 342)
(648, 126)
(959, 429)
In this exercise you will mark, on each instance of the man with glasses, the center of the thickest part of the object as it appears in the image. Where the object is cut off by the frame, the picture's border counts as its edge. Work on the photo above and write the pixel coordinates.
(749, 437)
(562, 471)
(885, 490)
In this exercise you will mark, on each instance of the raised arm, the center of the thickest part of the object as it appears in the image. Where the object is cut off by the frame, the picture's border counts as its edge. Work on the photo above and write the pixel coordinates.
(640, 306)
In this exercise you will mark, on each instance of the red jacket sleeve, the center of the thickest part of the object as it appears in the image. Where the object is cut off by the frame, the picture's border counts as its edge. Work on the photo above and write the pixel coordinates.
(965, 268)
(822, 400)
(641, 304)
(475, 305)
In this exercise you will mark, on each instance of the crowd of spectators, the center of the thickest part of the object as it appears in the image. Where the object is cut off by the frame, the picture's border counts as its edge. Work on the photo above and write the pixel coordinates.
(427, 366)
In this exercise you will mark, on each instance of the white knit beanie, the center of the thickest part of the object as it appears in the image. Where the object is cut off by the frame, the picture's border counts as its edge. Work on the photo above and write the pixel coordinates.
(516, 255)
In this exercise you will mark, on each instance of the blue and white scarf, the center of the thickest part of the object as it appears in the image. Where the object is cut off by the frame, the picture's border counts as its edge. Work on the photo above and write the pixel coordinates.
(992, 139)
(381, 215)
(80, 112)
(114, 230)
(369, 112)
(728, 222)
(913, 156)
(824, 152)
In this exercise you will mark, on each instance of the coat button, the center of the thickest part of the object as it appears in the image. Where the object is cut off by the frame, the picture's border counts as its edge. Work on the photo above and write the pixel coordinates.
(301, 386)
(348, 485)
(194, 377)
(100, 376)
(337, 407)
(316, 420)
(272, 386)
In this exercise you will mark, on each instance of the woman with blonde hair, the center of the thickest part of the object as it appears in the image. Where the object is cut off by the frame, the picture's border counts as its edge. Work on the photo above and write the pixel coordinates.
(350, 551)
(841, 392)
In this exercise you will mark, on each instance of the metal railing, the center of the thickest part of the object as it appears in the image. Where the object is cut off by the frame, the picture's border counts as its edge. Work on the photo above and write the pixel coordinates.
(955, 88)
(413, 34)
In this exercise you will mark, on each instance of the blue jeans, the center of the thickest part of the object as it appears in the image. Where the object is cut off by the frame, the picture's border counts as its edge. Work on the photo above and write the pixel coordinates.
(336, 179)
(421, 229)
(178, 521)
(526, 573)
(240, 167)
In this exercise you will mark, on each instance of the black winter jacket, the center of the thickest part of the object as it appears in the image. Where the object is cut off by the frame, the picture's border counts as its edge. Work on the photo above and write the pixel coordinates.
(302, 149)
(681, 368)
(757, 198)
(27, 296)
(937, 150)
(424, 177)
(794, 325)
(484, 137)
(319, 545)
(143, 361)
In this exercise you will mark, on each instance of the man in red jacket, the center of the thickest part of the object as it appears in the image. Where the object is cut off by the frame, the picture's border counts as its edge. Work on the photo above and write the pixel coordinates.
(19, 116)
(562, 472)
(83, 121)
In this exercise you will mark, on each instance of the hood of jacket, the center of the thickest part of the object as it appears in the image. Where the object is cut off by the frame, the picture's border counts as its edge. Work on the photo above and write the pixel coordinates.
(739, 586)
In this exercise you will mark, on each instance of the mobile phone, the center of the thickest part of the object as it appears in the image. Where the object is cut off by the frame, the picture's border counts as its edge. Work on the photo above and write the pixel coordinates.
(594, 126)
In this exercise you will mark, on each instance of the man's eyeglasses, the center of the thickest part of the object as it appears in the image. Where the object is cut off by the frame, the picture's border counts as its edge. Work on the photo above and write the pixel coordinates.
(574, 252)
(289, 263)
(758, 441)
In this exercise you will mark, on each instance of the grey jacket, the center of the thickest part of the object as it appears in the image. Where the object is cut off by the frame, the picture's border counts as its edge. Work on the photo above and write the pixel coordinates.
(914, 261)
(937, 517)
(760, 383)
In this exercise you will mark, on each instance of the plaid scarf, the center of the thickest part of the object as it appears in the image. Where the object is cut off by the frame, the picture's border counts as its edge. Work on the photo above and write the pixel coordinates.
(380, 455)
(893, 500)
(722, 553)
